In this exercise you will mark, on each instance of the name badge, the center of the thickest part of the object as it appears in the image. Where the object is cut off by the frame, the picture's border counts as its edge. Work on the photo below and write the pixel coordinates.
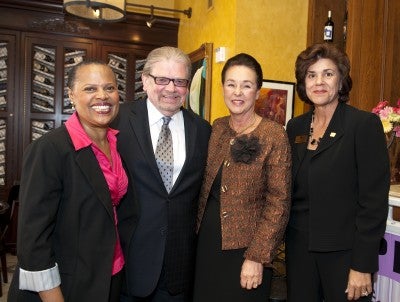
(300, 139)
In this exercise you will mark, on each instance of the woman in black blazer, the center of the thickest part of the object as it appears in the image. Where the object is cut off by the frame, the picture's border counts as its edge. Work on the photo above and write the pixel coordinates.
(340, 185)
(72, 182)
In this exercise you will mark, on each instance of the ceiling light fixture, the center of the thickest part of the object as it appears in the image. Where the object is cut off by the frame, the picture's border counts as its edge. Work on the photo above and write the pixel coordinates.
(96, 10)
(152, 19)
(110, 10)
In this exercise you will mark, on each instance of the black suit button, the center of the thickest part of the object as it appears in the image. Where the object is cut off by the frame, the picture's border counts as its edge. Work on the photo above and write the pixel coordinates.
(163, 231)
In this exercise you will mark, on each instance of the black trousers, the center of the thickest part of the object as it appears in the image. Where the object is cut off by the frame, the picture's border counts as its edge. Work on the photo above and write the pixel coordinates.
(160, 293)
(115, 287)
(315, 276)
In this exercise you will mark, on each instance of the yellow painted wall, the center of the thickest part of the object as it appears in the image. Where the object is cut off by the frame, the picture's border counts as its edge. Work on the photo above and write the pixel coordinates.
(273, 31)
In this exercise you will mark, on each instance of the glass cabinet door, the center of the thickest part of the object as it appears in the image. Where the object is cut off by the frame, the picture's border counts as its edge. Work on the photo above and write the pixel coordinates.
(72, 57)
(7, 102)
(47, 73)
(127, 64)
(43, 78)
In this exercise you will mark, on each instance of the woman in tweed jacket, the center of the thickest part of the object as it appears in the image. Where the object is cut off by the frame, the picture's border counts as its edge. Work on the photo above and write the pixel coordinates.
(244, 202)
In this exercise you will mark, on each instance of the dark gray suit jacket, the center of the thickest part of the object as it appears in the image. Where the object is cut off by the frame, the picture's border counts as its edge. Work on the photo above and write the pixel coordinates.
(164, 236)
(348, 184)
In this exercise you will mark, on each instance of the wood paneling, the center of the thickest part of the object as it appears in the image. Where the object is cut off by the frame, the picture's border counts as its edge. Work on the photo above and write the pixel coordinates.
(366, 49)
(317, 16)
(391, 73)
(372, 44)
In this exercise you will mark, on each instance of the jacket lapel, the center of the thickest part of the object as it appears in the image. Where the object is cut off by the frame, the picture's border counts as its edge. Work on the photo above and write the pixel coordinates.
(332, 134)
(87, 162)
(139, 122)
(334, 131)
(190, 142)
(300, 142)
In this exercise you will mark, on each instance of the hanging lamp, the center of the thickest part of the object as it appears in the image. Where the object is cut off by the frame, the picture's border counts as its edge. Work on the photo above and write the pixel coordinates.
(96, 10)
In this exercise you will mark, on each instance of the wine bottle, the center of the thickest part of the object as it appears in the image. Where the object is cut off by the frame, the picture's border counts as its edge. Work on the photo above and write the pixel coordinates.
(328, 29)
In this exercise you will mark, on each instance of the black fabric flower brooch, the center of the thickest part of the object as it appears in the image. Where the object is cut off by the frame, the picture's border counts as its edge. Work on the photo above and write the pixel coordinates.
(245, 149)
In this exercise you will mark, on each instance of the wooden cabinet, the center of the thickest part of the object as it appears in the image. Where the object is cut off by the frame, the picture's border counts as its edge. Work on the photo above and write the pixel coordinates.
(372, 44)
(373, 47)
(38, 47)
(318, 15)
(127, 61)
(47, 63)
(8, 141)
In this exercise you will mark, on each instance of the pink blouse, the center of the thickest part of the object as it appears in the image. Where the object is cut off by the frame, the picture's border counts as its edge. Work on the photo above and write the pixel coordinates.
(113, 172)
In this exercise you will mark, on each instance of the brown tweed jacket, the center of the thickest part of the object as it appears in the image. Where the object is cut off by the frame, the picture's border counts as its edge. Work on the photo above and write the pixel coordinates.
(254, 197)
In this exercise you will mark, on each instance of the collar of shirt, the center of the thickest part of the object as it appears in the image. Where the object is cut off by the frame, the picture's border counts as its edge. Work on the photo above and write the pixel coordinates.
(78, 135)
(155, 117)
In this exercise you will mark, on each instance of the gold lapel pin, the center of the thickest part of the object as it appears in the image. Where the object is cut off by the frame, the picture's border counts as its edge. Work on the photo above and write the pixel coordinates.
(333, 134)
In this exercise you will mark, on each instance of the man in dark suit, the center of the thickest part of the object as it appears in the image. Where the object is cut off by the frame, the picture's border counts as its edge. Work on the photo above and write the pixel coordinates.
(159, 251)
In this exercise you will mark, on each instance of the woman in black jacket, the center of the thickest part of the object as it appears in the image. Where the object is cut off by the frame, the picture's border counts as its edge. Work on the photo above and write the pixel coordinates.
(72, 182)
(340, 185)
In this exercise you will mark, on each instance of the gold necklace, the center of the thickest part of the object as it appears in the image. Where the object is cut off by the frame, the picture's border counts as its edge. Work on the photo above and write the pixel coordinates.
(232, 141)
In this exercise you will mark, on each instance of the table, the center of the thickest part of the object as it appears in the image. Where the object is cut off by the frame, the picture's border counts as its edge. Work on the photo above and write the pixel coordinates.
(387, 279)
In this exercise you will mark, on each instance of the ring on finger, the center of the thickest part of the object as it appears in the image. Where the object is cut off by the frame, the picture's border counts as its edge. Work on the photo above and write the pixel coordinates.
(365, 293)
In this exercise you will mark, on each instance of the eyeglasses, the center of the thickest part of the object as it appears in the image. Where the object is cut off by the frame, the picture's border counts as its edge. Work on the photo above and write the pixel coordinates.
(165, 81)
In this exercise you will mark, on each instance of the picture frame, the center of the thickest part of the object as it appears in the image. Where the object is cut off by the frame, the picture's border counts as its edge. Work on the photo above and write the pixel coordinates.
(276, 101)
(199, 97)
(210, 4)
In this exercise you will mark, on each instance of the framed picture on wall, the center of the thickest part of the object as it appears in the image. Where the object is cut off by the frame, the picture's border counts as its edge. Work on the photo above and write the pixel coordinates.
(199, 98)
(276, 101)
(210, 4)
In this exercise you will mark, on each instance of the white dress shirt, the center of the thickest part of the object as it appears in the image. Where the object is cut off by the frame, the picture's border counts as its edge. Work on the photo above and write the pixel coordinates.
(177, 127)
(39, 280)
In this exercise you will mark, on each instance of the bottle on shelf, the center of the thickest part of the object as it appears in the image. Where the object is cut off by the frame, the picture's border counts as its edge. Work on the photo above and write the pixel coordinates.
(328, 28)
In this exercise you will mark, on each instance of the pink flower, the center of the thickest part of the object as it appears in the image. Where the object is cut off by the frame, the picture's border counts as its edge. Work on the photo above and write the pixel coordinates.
(384, 113)
(390, 116)
(396, 129)
(381, 105)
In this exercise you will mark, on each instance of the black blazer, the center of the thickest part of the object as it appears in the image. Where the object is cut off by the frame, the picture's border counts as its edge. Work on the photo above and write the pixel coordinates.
(165, 223)
(65, 217)
(349, 183)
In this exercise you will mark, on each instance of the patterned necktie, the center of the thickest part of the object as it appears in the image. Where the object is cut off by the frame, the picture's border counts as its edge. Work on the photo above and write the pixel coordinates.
(164, 154)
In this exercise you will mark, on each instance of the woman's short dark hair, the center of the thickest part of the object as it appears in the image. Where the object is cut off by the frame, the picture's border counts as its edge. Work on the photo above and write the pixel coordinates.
(244, 59)
(323, 51)
(72, 73)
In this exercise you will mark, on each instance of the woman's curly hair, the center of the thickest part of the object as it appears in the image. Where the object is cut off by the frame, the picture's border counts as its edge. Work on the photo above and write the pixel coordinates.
(323, 51)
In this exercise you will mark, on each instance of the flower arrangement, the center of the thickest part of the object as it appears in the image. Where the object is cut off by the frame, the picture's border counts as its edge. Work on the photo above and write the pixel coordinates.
(390, 118)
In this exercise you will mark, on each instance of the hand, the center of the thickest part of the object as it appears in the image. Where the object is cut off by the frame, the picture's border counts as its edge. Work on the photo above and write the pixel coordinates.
(358, 285)
(251, 274)
(52, 295)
